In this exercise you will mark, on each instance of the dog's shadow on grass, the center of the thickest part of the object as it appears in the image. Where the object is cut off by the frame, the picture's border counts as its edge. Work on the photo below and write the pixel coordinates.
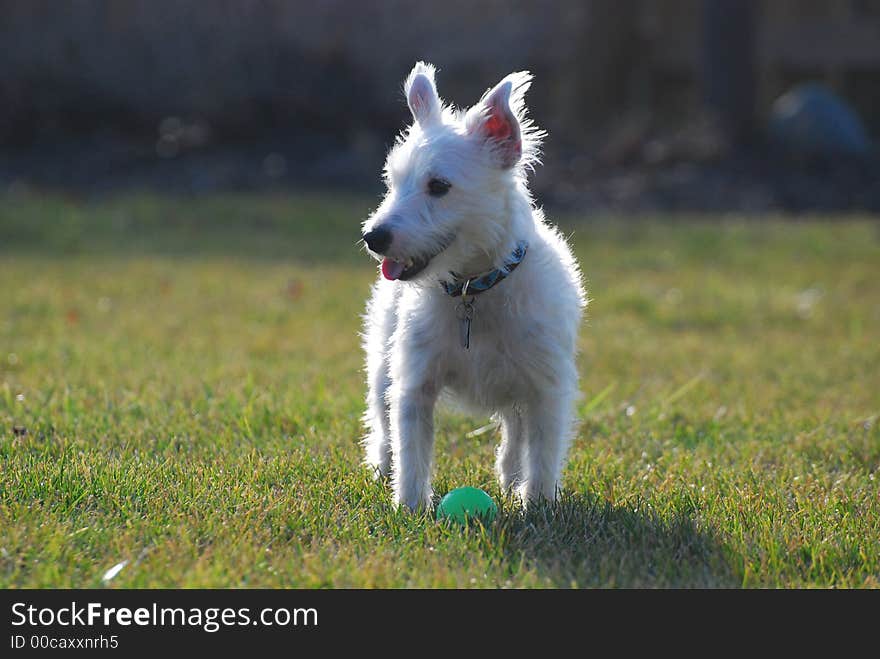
(586, 541)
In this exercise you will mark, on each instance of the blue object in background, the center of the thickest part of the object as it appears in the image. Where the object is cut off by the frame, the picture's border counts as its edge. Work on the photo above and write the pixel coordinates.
(811, 120)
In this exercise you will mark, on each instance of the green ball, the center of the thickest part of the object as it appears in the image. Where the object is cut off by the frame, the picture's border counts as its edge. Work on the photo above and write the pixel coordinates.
(464, 503)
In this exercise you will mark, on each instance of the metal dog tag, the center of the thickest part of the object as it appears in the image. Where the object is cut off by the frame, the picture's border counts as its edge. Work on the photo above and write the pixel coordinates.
(465, 313)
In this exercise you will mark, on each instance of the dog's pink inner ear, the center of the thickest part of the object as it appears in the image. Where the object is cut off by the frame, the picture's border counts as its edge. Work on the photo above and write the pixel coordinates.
(502, 128)
(497, 127)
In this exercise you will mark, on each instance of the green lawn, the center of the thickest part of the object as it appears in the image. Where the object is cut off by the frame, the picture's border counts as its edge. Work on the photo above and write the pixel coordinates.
(180, 388)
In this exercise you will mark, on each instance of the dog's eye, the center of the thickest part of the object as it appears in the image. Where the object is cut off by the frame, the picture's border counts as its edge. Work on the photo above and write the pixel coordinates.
(437, 187)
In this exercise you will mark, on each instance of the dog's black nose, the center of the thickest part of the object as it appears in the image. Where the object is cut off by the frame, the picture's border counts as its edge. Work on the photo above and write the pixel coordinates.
(378, 240)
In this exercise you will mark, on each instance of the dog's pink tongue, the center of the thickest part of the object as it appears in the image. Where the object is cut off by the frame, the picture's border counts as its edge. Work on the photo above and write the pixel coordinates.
(392, 269)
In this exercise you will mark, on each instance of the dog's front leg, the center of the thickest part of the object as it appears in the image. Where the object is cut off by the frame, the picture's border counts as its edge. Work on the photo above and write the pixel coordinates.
(509, 458)
(548, 424)
(412, 444)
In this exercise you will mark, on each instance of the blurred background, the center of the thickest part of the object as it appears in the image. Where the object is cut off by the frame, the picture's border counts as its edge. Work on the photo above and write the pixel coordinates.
(182, 186)
(684, 105)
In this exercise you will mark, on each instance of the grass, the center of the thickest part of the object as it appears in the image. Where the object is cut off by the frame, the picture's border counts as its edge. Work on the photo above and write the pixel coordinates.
(180, 388)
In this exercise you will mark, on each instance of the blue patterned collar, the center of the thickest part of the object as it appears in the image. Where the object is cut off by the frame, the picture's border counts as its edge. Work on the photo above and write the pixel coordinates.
(482, 283)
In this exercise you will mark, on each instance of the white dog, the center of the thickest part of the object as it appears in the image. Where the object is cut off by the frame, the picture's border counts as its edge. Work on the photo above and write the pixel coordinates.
(479, 297)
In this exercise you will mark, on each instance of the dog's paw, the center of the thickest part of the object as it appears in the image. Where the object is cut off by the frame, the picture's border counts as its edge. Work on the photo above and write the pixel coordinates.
(416, 504)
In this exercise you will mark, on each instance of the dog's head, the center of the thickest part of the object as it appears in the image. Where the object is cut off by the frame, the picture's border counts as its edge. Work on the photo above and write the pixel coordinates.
(450, 178)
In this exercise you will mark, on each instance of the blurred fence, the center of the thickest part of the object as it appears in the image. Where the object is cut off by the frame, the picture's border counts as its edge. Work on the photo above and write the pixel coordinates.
(323, 79)
(245, 66)
(335, 66)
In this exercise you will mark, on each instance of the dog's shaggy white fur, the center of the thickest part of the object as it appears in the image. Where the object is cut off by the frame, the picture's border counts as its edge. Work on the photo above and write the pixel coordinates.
(457, 202)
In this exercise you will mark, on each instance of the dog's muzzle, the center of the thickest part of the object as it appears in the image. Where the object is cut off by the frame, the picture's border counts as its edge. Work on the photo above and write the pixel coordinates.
(405, 269)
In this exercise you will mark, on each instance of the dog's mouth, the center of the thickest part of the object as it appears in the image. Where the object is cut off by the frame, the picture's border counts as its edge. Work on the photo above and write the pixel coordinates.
(404, 269)
(393, 269)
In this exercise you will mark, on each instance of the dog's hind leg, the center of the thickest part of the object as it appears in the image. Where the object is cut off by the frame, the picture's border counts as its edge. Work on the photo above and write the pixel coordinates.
(508, 462)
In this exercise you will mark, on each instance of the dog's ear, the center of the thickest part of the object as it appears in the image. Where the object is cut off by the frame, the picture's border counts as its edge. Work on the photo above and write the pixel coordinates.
(421, 94)
(493, 120)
